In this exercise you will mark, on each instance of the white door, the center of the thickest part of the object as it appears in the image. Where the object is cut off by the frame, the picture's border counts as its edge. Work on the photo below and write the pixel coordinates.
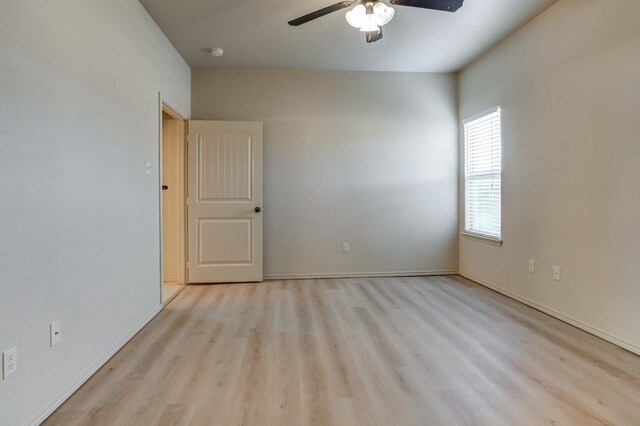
(225, 202)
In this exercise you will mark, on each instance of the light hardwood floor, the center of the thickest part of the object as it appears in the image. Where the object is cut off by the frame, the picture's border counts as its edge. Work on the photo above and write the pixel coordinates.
(400, 351)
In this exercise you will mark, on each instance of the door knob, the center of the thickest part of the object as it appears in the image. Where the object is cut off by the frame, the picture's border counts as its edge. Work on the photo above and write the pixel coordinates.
(258, 209)
(165, 187)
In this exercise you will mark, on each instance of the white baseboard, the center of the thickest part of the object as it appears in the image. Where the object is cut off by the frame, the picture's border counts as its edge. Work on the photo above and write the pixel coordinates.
(56, 402)
(562, 317)
(359, 275)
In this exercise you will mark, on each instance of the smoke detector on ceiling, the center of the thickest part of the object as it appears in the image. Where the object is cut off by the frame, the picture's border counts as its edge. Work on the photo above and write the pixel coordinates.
(216, 51)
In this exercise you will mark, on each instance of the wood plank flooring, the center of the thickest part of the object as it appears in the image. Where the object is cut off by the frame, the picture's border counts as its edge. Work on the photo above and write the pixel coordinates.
(398, 351)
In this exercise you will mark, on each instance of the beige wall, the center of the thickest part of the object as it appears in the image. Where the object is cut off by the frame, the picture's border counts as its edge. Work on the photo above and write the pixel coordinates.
(79, 218)
(364, 158)
(568, 86)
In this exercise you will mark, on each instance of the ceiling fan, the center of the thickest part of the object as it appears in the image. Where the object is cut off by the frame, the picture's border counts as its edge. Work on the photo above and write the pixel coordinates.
(369, 16)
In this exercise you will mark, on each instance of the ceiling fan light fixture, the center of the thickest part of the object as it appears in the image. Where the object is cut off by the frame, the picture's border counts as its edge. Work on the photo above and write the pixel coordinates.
(370, 17)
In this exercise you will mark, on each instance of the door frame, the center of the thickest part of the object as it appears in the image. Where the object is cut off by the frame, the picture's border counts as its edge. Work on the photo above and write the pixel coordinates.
(165, 107)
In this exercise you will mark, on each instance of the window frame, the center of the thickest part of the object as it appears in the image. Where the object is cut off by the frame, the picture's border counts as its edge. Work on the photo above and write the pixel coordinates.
(471, 234)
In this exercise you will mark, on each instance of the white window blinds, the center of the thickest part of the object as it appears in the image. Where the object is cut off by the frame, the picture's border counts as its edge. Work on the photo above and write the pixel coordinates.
(483, 175)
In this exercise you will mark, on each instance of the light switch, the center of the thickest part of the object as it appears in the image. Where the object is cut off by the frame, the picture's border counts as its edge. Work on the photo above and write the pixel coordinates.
(56, 333)
(148, 167)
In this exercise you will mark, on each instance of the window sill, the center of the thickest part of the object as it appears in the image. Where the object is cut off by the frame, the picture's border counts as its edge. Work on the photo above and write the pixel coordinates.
(482, 239)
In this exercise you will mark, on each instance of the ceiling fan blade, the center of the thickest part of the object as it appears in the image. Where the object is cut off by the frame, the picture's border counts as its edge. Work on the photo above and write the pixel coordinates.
(320, 13)
(444, 5)
(373, 36)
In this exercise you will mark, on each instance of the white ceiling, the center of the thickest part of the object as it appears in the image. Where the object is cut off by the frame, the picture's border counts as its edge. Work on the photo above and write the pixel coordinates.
(255, 34)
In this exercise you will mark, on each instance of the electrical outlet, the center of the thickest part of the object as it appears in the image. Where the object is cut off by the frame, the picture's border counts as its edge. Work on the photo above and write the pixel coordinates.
(345, 248)
(532, 266)
(556, 273)
(55, 332)
(9, 362)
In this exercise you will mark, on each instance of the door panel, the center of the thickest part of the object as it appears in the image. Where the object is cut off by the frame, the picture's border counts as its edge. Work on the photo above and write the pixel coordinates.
(225, 188)
(229, 174)
(225, 241)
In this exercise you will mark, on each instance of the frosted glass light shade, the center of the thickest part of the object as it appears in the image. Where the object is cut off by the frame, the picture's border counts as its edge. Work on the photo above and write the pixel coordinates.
(357, 16)
(383, 14)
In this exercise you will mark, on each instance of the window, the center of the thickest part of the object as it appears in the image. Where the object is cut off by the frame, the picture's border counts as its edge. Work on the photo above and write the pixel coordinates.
(483, 175)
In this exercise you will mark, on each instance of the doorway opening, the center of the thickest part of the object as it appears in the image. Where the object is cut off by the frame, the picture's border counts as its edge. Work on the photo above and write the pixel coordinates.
(173, 181)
